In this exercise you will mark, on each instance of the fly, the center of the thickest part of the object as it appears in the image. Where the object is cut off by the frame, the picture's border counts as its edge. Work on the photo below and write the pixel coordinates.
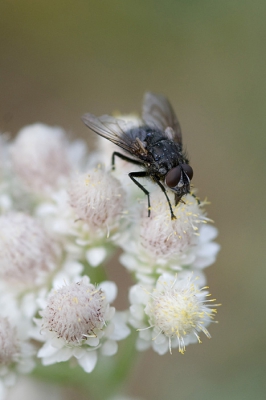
(156, 146)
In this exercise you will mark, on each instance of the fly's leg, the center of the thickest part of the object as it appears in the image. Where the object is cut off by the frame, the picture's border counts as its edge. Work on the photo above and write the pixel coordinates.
(125, 158)
(167, 198)
(195, 197)
(179, 199)
(141, 174)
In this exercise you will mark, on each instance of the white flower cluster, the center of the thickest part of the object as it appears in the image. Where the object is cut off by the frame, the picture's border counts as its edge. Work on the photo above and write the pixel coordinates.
(62, 214)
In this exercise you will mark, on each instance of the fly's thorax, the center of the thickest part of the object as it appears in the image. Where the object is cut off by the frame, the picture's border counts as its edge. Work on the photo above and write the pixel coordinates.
(165, 155)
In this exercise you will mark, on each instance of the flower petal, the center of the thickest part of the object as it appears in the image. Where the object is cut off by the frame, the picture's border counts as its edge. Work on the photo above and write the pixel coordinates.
(88, 361)
(96, 256)
(109, 348)
(110, 290)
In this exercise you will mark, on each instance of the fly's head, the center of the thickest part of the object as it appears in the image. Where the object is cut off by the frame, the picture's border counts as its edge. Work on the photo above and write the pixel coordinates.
(178, 180)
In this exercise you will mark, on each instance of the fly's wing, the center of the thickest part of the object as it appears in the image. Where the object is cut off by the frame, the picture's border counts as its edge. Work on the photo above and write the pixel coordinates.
(114, 130)
(158, 113)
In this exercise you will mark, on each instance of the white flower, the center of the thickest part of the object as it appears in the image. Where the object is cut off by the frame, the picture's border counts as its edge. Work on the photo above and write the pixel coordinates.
(157, 244)
(98, 199)
(172, 314)
(16, 352)
(86, 218)
(28, 254)
(40, 156)
(206, 250)
(77, 320)
(30, 262)
(9, 346)
(56, 220)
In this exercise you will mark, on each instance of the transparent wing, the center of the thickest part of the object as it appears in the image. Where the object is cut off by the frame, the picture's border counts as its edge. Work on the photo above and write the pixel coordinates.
(115, 130)
(157, 112)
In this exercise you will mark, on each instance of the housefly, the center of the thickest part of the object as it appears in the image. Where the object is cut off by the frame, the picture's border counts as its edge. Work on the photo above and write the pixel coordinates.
(156, 145)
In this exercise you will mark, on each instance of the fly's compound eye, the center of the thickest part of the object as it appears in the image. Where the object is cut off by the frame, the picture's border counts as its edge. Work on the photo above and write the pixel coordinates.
(173, 177)
(188, 170)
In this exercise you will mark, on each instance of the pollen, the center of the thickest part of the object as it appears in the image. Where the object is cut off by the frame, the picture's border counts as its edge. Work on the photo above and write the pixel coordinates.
(178, 310)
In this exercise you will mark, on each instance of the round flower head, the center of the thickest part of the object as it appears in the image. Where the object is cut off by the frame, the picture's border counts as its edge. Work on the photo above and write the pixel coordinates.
(175, 311)
(158, 243)
(15, 353)
(77, 320)
(27, 253)
(97, 198)
(39, 156)
(73, 223)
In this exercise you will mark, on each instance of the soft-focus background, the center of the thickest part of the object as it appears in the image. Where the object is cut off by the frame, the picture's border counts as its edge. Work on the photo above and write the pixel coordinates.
(60, 59)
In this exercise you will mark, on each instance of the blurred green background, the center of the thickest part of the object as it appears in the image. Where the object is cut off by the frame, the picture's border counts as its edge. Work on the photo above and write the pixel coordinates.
(60, 59)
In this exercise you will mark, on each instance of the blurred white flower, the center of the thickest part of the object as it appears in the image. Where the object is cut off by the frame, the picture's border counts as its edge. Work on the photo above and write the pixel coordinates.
(87, 216)
(77, 320)
(39, 155)
(42, 157)
(28, 254)
(31, 261)
(172, 314)
(16, 352)
(97, 198)
(157, 244)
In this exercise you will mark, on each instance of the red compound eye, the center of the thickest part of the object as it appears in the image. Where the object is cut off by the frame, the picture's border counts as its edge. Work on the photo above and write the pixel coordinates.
(173, 177)
(188, 170)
